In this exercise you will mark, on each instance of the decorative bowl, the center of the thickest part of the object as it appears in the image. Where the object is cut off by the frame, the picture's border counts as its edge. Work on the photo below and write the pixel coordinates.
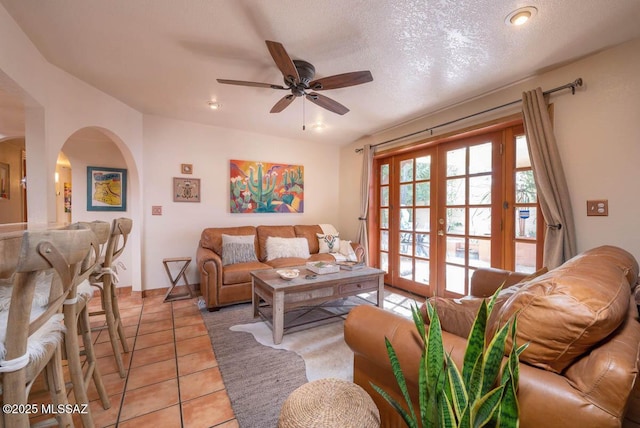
(288, 274)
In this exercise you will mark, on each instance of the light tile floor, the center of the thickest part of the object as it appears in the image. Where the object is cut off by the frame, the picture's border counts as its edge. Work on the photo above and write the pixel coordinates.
(173, 379)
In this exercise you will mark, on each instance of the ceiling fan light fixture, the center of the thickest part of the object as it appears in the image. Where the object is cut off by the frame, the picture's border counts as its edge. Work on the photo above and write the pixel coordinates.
(214, 105)
(520, 16)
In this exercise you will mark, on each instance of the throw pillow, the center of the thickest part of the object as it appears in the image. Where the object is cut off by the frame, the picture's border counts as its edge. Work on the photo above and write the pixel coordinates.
(238, 249)
(347, 250)
(328, 243)
(278, 248)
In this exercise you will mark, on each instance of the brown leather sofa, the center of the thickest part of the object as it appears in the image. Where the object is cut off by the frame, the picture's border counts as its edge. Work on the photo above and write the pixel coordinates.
(581, 367)
(226, 285)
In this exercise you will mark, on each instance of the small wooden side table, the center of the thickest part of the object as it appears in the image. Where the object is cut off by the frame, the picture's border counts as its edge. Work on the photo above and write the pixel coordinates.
(174, 281)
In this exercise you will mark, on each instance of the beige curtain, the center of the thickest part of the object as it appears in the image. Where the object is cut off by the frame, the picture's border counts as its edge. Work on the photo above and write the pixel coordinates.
(553, 192)
(365, 182)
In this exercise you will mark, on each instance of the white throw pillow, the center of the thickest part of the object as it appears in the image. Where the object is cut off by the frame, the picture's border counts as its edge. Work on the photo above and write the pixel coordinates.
(347, 250)
(278, 248)
(238, 249)
(328, 243)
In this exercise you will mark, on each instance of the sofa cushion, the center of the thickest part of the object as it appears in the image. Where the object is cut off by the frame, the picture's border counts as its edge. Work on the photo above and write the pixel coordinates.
(565, 312)
(211, 238)
(264, 232)
(238, 249)
(240, 273)
(309, 232)
(278, 248)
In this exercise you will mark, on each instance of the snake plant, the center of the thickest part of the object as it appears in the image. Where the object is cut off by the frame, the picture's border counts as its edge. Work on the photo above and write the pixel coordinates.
(482, 394)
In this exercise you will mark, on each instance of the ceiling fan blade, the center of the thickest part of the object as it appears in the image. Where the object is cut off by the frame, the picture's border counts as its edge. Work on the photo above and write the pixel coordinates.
(341, 80)
(283, 61)
(254, 84)
(282, 104)
(328, 103)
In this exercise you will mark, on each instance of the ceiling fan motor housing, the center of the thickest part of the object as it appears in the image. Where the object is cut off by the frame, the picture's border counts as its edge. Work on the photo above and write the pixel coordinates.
(306, 72)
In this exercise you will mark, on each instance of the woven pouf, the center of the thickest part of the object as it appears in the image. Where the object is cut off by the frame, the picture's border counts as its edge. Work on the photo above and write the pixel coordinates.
(329, 403)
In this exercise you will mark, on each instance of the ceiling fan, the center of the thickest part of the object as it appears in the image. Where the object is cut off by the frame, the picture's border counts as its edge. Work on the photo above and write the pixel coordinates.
(298, 77)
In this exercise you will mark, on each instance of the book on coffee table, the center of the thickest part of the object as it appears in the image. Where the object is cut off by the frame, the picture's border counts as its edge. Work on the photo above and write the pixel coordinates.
(347, 265)
(322, 267)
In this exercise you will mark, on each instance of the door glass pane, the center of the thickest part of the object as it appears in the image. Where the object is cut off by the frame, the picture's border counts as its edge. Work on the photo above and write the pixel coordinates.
(526, 219)
(522, 152)
(525, 187)
(384, 262)
(423, 219)
(384, 218)
(406, 170)
(423, 194)
(480, 190)
(384, 196)
(422, 271)
(406, 218)
(480, 221)
(384, 240)
(423, 168)
(406, 243)
(456, 162)
(456, 249)
(480, 252)
(525, 257)
(406, 195)
(480, 158)
(406, 267)
(455, 279)
(456, 192)
(456, 220)
(422, 245)
(384, 174)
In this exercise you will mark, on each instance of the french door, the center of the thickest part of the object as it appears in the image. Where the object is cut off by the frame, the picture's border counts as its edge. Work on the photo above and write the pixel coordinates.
(441, 213)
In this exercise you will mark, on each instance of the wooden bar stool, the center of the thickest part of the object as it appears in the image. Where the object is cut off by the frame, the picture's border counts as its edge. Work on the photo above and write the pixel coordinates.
(31, 333)
(105, 278)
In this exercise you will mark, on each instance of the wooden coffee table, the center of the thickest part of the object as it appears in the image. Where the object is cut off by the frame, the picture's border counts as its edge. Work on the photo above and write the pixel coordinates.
(283, 295)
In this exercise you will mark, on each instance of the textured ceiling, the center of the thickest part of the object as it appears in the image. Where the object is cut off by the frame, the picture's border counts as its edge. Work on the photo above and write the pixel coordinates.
(163, 57)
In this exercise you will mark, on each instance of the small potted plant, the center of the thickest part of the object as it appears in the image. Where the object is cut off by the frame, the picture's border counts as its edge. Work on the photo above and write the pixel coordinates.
(482, 394)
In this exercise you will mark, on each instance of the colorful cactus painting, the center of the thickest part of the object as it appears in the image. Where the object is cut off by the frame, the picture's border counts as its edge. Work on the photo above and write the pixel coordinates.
(261, 187)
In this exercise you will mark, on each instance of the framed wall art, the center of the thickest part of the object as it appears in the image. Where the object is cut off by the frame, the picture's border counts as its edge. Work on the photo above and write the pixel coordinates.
(186, 168)
(4, 180)
(106, 189)
(186, 189)
(263, 187)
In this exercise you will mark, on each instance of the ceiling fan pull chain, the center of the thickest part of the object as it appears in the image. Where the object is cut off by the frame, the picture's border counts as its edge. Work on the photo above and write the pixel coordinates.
(303, 115)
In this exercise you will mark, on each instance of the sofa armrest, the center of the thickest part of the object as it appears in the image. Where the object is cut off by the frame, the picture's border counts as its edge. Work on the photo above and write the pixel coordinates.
(359, 250)
(209, 266)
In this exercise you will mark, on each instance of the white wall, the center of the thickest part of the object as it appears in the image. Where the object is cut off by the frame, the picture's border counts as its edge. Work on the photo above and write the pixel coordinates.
(56, 106)
(169, 143)
(598, 137)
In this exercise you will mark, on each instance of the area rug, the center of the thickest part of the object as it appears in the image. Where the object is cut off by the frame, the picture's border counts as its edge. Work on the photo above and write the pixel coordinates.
(259, 378)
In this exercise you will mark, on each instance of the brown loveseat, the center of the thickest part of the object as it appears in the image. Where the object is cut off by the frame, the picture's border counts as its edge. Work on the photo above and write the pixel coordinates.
(225, 285)
(582, 325)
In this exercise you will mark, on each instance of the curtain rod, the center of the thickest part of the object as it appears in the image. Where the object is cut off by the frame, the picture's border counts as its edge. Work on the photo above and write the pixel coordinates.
(572, 86)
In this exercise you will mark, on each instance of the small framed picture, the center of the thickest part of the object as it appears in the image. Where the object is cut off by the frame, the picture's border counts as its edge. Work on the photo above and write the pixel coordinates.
(186, 168)
(186, 189)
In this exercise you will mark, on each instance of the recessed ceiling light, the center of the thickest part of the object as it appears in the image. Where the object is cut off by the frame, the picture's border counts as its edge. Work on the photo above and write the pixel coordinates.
(521, 15)
(213, 105)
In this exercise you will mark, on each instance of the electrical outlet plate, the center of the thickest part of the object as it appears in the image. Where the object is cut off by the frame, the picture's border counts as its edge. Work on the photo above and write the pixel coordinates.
(598, 207)
(156, 210)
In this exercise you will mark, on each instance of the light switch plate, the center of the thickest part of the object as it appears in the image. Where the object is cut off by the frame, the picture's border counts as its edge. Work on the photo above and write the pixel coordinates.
(156, 210)
(598, 207)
